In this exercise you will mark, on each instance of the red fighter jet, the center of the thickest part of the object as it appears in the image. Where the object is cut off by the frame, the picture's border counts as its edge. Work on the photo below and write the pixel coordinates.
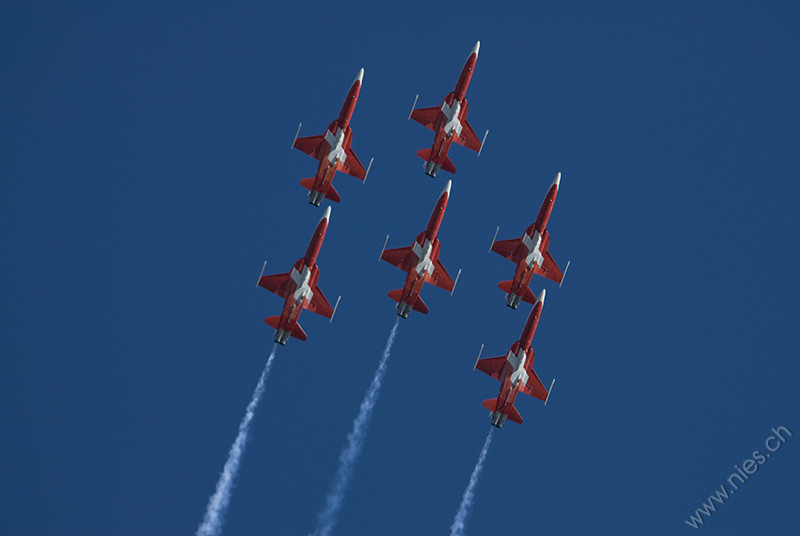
(299, 289)
(530, 254)
(449, 122)
(333, 151)
(515, 372)
(421, 261)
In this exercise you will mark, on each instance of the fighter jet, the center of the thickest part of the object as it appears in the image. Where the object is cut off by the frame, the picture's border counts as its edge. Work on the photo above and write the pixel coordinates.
(299, 289)
(333, 151)
(421, 261)
(449, 122)
(515, 372)
(530, 254)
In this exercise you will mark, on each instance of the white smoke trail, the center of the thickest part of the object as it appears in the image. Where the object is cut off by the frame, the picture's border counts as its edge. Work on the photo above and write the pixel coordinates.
(460, 521)
(355, 440)
(218, 503)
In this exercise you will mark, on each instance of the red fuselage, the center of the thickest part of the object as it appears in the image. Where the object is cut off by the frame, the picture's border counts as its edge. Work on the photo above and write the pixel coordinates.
(511, 379)
(443, 137)
(299, 288)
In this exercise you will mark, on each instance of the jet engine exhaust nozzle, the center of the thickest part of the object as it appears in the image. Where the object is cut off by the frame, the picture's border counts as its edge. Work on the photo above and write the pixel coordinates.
(432, 168)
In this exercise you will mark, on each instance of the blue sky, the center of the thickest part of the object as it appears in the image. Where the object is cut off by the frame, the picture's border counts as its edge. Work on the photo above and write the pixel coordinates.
(146, 175)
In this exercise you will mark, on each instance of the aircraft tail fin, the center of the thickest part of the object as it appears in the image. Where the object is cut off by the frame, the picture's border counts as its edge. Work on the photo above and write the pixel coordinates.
(514, 415)
(308, 183)
(425, 154)
(528, 296)
(330, 193)
(448, 165)
(396, 295)
(297, 331)
(419, 305)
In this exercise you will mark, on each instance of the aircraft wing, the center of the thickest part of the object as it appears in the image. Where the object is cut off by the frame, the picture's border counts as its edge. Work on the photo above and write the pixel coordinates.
(275, 283)
(309, 144)
(549, 269)
(426, 116)
(468, 138)
(506, 248)
(352, 166)
(440, 277)
(534, 387)
(396, 256)
(491, 366)
(319, 304)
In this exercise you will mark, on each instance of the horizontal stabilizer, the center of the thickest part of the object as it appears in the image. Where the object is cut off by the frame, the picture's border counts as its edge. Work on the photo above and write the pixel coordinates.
(448, 165)
(396, 295)
(425, 154)
(528, 295)
(308, 183)
(297, 331)
(332, 194)
(418, 305)
(329, 193)
(490, 404)
(514, 415)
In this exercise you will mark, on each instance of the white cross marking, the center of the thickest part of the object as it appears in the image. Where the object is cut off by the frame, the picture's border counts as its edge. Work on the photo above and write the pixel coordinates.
(423, 252)
(301, 279)
(336, 141)
(518, 364)
(534, 245)
(453, 123)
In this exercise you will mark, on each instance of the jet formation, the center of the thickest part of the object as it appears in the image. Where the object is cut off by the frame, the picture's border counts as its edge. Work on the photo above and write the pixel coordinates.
(530, 253)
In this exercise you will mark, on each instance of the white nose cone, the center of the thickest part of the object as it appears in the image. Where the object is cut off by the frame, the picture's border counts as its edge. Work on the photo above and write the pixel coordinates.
(447, 187)
(557, 182)
(541, 297)
(327, 215)
(360, 76)
(475, 49)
